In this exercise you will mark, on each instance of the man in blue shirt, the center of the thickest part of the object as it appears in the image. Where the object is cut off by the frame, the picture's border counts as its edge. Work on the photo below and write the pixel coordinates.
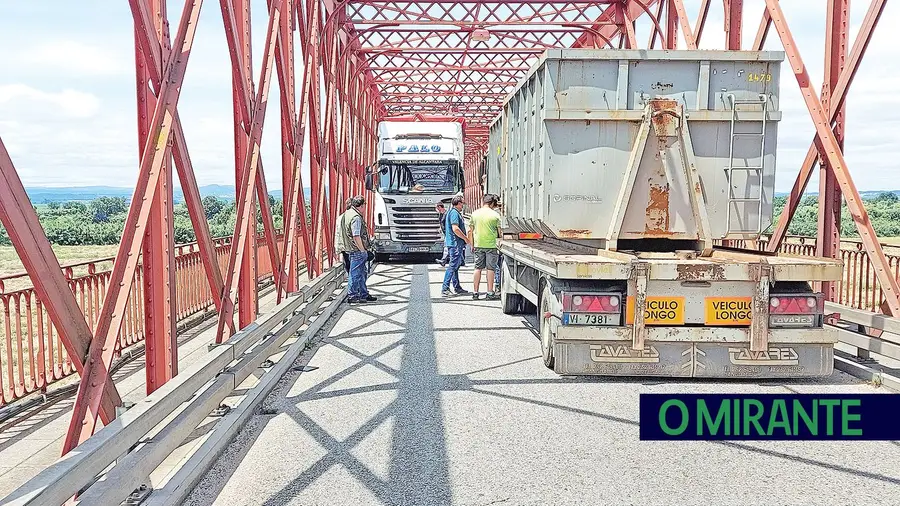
(455, 239)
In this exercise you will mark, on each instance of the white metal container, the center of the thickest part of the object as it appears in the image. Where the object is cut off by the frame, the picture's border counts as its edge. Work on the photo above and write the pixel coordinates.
(575, 153)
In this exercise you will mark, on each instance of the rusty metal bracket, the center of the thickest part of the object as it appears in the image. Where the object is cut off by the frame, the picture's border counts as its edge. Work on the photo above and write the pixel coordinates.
(761, 273)
(634, 162)
(637, 286)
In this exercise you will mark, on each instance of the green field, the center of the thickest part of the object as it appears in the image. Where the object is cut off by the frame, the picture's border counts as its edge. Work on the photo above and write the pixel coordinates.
(11, 264)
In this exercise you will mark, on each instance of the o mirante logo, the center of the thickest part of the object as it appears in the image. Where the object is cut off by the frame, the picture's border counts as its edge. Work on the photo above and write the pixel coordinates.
(769, 416)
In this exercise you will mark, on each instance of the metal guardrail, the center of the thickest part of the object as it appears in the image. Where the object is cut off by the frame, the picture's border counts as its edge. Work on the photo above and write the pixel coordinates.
(110, 465)
(868, 339)
(32, 357)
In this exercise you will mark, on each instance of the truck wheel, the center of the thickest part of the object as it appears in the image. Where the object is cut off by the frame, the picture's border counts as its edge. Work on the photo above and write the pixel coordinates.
(547, 339)
(510, 302)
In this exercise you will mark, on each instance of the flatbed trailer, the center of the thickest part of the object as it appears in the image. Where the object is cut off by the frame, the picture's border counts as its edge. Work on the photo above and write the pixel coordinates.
(730, 314)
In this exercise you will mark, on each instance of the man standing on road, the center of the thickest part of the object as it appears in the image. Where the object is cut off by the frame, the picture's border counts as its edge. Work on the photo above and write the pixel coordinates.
(484, 227)
(455, 240)
(442, 222)
(339, 244)
(354, 239)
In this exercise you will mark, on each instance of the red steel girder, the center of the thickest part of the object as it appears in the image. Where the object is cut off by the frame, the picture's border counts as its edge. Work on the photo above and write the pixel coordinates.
(836, 101)
(96, 370)
(158, 261)
(153, 55)
(240, 47)
(481, 14)
(734, 15)
(828, 243)
(833, 155)
(252, 176)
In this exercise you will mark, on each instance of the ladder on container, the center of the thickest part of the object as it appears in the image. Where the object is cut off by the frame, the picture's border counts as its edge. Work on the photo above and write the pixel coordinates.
(761, 100)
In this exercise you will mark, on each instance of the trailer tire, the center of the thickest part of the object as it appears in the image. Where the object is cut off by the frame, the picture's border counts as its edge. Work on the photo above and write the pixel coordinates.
(546, 334)
(510, 303)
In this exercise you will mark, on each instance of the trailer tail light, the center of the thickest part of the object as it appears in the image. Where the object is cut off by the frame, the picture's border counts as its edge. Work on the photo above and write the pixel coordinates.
(528, 235)
(592, 303)
(594, 309)
(796, 310)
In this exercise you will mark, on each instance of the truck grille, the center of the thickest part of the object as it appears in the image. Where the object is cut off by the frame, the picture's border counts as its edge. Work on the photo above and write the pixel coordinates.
(415, 224)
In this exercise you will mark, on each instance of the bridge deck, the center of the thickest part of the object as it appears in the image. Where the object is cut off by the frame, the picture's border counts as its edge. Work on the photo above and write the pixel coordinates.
(421, 400)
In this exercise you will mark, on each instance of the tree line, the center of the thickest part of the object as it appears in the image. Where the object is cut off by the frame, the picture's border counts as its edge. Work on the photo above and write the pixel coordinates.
(884, 212)
(100, 221)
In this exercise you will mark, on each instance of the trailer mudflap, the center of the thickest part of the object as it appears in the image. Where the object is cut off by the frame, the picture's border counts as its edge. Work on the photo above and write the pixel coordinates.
(694, 359)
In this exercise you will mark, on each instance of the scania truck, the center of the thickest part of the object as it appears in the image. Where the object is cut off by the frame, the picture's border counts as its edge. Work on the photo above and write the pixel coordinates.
(622, 174)
(419, 165)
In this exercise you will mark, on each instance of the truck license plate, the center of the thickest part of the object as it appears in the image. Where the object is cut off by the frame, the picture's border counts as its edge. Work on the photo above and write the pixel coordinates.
(659, 311)
(419, 249)
(590, 319)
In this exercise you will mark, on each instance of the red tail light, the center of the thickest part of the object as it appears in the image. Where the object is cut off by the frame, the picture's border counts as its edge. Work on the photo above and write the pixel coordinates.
(796, 310)
(796, 304)
(592, 303)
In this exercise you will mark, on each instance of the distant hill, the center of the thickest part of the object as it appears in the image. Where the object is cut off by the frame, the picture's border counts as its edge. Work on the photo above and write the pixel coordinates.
(868, 194)
(45, 194)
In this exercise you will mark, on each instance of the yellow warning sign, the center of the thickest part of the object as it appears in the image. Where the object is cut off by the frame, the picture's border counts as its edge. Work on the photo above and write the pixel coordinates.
(658, 311)
(728, 311)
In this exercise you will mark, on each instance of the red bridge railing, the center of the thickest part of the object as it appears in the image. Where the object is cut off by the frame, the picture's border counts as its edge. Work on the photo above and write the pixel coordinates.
(31, 353)
(859, 287)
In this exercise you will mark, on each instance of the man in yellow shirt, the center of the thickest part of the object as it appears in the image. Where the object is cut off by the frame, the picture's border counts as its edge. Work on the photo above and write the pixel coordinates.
(484, 229)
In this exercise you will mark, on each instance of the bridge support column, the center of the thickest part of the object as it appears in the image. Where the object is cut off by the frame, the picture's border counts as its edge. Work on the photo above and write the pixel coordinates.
(158, 260)
(828, 243)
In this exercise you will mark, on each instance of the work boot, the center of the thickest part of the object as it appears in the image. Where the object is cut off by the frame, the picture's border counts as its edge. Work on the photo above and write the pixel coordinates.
(370, 298)
(446, 293)
(461, 291)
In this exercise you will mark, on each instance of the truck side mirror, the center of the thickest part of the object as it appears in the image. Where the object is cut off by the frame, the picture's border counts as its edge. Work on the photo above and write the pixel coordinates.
(370, 180)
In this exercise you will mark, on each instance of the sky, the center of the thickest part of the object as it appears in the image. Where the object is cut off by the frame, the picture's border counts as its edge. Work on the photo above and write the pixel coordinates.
(67, 93)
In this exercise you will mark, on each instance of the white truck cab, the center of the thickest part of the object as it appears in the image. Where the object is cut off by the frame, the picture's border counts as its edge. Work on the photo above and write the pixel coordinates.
(419, 165)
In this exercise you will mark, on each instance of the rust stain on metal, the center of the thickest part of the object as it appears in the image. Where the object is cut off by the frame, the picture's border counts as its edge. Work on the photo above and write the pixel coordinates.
(663, 123)
(575, 233)
(657, 213)
(691, 272)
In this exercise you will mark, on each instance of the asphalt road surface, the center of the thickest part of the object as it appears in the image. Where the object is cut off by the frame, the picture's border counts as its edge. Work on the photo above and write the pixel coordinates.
(419, 400)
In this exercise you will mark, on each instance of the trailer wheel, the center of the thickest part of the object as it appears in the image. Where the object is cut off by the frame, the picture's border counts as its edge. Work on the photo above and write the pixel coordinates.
(510, 302)
(547, 339)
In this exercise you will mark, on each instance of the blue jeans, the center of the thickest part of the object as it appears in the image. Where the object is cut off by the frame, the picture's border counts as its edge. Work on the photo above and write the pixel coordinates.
(451, 276)
(358, 273)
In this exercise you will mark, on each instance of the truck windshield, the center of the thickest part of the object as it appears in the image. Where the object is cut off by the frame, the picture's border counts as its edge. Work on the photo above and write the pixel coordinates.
(419, 177)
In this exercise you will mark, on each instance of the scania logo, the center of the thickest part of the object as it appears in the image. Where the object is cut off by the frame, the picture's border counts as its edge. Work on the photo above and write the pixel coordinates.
(419, 148)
